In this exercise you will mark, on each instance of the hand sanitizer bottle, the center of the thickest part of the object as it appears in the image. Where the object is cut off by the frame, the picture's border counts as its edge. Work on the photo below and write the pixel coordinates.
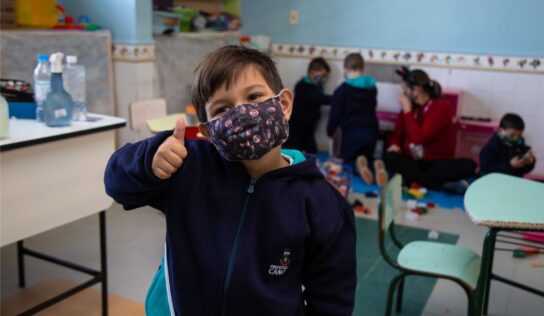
(58, 103)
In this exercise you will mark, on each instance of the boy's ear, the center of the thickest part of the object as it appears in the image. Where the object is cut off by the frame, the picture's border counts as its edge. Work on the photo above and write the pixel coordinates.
(286, 99)
(203, 129)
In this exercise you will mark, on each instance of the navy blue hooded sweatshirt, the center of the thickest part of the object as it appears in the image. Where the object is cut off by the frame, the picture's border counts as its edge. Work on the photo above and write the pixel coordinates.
(496, 155)
(235, 246)
(354, 106)
(305, 116)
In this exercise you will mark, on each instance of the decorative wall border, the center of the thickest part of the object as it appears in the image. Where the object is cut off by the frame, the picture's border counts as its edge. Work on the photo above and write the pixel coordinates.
(133, 53)
(404, 57)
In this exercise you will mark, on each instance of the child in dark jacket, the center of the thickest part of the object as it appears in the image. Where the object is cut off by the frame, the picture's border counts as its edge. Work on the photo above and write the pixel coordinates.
(250, 227)
(353, 111)
(309, 97)
(506, 151)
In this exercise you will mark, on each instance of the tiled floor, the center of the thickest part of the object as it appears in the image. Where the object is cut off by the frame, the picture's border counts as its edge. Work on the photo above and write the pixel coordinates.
(135, 248)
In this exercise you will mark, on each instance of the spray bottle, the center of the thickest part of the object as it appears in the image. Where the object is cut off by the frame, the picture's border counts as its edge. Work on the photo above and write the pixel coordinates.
(58, 104)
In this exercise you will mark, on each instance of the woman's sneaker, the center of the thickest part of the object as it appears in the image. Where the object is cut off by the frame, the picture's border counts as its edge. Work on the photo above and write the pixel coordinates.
(381, 174)
(364, 172)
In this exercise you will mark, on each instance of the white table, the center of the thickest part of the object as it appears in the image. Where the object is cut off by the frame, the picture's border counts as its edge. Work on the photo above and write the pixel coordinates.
(50, 177)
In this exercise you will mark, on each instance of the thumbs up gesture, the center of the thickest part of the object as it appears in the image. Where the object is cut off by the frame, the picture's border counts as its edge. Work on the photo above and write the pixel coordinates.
(171, 153)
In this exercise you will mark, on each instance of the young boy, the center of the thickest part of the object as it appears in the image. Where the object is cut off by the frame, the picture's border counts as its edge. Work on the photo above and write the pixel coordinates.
(506, 151)
(309, 97)
(353, 110)
(248, 224)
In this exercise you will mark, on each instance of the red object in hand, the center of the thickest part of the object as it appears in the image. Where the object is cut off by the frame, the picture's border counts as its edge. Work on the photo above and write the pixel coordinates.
(415, 185)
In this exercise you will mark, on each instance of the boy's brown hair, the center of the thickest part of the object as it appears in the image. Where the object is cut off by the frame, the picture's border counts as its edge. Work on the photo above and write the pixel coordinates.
(354, 61)
(319, 63)
(224, 66)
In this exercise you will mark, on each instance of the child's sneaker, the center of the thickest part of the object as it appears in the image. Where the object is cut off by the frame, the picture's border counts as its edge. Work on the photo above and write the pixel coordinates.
(381, 174)
(364, 172)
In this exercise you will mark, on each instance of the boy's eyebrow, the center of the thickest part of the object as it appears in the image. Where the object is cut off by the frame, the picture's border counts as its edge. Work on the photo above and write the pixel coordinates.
(258, 85)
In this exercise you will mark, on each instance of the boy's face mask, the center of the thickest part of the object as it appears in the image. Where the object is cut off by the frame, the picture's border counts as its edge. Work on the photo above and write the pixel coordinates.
(513, 141)
(249, 131)
(511, 138)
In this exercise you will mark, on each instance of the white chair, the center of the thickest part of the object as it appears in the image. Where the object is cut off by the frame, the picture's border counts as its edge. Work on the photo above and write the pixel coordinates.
(142, 111)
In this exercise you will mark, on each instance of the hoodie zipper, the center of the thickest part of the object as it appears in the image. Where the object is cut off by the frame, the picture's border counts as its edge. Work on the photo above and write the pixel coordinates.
(232, 256)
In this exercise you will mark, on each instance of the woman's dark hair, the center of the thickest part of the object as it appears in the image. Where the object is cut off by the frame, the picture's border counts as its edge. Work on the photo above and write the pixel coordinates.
(420, 78)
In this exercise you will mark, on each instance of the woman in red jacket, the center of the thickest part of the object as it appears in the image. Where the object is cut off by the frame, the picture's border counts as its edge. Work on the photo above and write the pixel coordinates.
(422, 144)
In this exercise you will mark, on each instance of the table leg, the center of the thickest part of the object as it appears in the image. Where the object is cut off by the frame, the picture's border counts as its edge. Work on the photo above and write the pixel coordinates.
(489, 275)
(103, 263)
(21, 264)
(485, 269)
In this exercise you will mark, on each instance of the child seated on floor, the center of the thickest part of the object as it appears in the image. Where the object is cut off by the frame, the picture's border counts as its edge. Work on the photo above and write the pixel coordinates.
(506, 151)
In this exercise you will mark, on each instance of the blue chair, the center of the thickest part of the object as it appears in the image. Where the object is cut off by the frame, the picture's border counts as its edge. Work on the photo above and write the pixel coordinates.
(423, 258)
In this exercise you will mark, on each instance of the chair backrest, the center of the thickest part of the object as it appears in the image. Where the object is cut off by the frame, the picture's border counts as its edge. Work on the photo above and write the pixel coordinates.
(141, 111)
(391, 200)
(388, 207)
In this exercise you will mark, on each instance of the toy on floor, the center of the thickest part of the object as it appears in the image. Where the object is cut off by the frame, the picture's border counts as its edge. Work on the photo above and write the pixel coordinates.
(534, 236)
(525, 251)
(415, 191)
(537, 264)
(359, 207)
(337, 175)
(371, 194)
(433, 235)
(418, 208)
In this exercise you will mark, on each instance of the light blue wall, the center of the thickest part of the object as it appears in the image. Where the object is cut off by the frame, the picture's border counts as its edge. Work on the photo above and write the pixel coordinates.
(128, 20)
(509, 27)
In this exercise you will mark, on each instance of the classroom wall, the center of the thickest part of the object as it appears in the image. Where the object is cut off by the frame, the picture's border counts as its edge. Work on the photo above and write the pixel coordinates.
(130, 21)
(503, 27)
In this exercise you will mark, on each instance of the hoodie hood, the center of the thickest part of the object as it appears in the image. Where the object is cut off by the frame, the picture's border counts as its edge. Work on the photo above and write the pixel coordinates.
(362, 82)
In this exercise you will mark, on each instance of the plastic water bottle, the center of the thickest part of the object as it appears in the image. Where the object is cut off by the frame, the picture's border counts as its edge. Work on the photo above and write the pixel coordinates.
(74, 83)
(58, 104)
(42, 79)
(4, 118)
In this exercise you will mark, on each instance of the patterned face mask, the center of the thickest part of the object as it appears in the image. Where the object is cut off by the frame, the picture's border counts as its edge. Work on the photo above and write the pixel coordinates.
(249, 131)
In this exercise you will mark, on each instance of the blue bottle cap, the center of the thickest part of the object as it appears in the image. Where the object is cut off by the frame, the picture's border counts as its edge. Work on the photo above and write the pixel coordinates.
(43, 57)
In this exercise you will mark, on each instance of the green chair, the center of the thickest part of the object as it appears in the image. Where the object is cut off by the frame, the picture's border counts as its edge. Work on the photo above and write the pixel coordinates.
(423, 258)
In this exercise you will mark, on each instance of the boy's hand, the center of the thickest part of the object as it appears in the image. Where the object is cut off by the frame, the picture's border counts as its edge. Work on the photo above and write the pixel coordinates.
(529, 158)
(517, 162)
(171, 153)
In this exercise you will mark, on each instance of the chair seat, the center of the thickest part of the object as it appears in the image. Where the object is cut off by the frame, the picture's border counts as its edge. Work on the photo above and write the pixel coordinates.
(439, 258)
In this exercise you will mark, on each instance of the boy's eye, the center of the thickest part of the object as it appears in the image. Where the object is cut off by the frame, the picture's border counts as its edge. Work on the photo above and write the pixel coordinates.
(220, 109)
(254, 97)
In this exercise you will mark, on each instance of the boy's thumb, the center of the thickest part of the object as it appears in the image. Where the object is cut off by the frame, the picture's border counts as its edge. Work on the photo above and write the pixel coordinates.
(179, 130)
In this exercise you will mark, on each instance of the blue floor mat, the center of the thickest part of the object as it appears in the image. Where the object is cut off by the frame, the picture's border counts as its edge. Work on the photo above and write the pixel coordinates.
(444, 200)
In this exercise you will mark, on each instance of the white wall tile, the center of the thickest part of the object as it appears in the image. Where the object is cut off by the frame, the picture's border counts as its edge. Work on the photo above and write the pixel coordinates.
(527, 83)
(526, 104)
(503, 81)
(481, 80)
(125, 72)
(146, 72)
(459, 78)
(501, 102)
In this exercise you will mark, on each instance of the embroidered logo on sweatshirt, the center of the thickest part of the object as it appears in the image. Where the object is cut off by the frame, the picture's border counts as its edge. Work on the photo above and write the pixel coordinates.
(283, 266)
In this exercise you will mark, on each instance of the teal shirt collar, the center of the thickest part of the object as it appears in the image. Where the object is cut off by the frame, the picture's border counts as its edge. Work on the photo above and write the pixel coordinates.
(363, 81)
